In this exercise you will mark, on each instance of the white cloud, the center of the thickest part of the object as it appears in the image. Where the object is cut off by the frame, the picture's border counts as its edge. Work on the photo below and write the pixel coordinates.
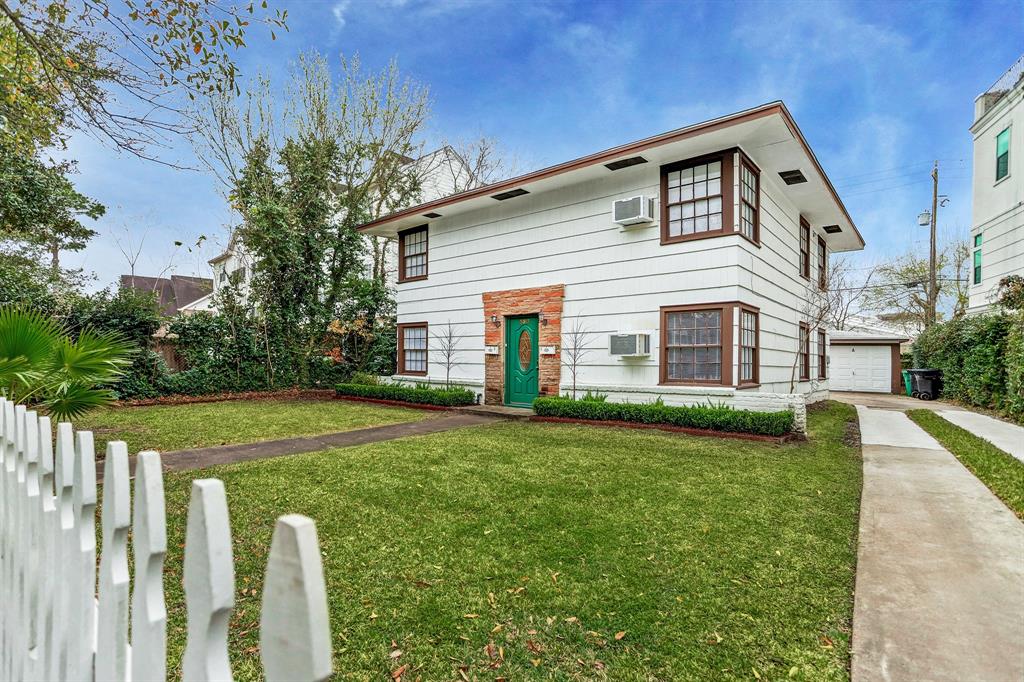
(338, 10)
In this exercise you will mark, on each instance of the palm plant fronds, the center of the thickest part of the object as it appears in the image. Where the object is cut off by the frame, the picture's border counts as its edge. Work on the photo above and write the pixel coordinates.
(41, 364)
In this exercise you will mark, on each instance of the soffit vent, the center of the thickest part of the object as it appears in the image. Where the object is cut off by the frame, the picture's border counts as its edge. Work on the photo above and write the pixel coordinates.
(512, 193)
(832, 229)
(625, 163)
(792, 177)
(431, 215)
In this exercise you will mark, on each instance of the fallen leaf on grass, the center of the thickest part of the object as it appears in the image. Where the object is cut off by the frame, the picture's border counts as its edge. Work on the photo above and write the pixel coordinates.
(397, 653)
(826, 642)
(793, 671)
(471, 615)
(397, 673)
(619, 635)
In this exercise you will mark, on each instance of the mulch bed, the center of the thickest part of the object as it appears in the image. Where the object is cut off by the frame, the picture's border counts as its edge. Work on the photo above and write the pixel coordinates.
(393, 403)
(286, 394)
(788, 438)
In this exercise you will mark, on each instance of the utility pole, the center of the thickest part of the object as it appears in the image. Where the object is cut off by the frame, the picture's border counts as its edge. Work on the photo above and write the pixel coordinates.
(933, 292)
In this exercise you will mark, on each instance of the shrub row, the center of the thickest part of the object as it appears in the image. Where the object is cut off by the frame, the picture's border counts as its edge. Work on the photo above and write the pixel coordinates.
(443, 397)
(710, 417)
(981, 358)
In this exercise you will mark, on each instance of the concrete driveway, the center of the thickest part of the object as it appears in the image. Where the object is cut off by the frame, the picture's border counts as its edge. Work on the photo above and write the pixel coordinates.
(940, 567)
(887, 401)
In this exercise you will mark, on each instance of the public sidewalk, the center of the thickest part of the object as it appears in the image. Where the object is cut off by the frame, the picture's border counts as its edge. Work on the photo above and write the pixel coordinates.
(1004, 435)
(940, 569)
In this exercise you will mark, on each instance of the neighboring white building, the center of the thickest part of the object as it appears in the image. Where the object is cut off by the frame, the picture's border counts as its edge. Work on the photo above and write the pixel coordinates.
(997, 232)
(705, 301)
(442, 172)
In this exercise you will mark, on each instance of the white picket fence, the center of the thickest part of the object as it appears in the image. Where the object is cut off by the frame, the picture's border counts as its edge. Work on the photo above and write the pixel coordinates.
(56, 625)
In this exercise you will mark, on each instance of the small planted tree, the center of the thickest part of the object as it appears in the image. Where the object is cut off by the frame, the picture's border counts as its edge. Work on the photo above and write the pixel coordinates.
(575, 347)
(446, 344)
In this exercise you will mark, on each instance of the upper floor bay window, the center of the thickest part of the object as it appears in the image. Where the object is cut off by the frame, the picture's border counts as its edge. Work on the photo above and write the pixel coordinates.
(822, 264)
(805, 248)
(412, 254)
(1002, 154)
(697, 197)
(749, 202)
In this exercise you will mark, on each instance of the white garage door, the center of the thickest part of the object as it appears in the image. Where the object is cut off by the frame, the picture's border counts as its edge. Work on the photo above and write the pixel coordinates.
(860, 368)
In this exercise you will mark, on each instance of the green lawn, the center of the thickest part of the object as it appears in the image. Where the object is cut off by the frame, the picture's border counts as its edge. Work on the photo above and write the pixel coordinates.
(179, 427)
(1000, 471)
(579, 552)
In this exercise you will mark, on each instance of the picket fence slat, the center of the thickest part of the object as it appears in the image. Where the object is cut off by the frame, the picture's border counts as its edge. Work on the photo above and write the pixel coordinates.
(112, 614)
(149, 539)
(294, 635)
(56, 623)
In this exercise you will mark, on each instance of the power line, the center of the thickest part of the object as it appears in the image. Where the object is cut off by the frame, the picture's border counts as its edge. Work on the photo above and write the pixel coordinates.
(906, 184)
(895, 168)
(886, 178)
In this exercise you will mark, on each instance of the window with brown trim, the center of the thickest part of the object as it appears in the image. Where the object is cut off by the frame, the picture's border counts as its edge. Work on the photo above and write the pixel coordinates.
(805, 352)
(694, 197)
(822, 355)
(822, 264)
(412, 254)
(697, 197)
(696, 344)
(805, 249)
(750, 201)
(749, 346)
(412, 348)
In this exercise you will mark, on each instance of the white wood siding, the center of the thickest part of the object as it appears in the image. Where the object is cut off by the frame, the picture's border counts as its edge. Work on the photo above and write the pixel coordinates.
(615, 280)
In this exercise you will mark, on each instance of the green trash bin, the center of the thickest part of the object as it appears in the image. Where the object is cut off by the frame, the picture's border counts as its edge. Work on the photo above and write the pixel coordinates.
(906, 381)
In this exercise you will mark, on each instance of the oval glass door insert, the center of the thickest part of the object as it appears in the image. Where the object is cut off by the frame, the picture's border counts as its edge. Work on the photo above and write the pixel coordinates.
(525, 349)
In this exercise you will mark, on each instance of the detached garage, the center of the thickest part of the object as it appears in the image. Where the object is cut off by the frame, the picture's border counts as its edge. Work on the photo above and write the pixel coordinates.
(865, 362)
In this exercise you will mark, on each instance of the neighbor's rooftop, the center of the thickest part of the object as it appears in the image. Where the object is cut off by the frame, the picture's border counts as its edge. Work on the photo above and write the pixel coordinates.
(768, 133)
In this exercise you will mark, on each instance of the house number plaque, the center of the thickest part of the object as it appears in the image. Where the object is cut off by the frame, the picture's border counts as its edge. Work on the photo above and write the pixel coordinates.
(548, 350)
(490, 350)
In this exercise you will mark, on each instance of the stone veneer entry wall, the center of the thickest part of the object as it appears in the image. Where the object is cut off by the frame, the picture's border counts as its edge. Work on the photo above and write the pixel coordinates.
(545, 302)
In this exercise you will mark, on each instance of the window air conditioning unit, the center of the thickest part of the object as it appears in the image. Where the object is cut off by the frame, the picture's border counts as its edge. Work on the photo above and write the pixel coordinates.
(633, 211)
(630, 344)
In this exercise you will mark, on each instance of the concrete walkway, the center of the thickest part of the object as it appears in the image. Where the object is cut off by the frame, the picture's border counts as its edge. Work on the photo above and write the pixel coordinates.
(940, 568)
(200, 458)
(1004, 435)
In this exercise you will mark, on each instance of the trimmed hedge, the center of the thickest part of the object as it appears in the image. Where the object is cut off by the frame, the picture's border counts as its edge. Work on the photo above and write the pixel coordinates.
(710, 417)
(443, 397)
(981, 358)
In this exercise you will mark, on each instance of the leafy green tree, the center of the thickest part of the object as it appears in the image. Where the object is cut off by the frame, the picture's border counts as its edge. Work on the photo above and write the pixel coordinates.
(117, 69)
(42, 365)
(342, 159)
(39, 206)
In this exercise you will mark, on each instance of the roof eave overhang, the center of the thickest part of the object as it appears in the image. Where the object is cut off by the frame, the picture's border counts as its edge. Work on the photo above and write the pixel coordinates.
(398, 221)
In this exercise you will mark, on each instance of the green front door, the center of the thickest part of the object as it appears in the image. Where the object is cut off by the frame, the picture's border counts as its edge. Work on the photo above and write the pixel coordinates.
(520, 361)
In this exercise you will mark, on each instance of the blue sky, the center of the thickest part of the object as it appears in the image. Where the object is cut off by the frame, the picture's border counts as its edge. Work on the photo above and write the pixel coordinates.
(879, 89)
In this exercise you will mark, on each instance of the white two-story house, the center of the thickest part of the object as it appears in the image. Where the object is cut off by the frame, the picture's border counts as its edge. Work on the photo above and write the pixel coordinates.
(997, 230)
(684, 266)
